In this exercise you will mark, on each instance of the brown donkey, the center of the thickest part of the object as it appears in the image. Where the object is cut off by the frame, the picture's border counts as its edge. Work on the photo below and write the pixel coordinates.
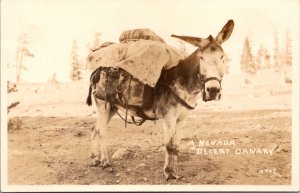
(172, 99)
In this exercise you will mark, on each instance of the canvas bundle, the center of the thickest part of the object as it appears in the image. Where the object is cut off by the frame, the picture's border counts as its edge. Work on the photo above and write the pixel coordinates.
(143, 59)
(137, 34)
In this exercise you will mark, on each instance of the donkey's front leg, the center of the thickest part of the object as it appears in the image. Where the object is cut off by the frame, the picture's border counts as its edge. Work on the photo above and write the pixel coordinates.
(98, 136)
(170, 141)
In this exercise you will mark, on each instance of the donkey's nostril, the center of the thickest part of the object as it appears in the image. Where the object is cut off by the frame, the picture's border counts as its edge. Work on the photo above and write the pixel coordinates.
(218, 90)
(207, 89)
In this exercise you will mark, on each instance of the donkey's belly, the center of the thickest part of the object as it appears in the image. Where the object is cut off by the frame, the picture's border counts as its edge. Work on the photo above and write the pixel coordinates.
(130, 111)
(134, 112)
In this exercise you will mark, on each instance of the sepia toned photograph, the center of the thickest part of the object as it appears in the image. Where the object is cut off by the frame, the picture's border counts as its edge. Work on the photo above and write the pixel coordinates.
(103, 95)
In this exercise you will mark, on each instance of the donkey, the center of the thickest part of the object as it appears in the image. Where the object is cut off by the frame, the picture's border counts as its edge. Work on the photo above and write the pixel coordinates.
(176, 93)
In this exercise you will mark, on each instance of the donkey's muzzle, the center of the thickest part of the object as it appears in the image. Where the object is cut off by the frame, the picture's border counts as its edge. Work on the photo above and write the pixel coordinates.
(212, 93)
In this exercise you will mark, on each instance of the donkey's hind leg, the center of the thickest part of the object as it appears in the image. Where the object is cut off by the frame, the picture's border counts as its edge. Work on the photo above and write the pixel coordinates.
(99, 133)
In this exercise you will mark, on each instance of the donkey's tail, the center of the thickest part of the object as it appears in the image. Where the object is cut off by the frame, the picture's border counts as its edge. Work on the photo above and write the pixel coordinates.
(94, 79)
(89, 97)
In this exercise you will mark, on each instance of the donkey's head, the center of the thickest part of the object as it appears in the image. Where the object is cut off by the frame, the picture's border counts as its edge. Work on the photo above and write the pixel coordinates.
(210, 57)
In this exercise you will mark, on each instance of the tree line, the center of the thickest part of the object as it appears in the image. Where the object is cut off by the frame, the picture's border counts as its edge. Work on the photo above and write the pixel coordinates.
(23, 54)
(282, 56)
(250, 62)
(77, 67)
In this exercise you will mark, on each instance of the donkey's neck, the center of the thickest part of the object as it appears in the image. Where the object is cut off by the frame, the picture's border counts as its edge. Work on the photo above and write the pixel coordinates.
(183, 80)
(184, 74)
(190, 63)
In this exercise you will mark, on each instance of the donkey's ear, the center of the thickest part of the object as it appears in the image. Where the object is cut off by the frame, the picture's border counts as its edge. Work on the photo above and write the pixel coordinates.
(225, 32)
(199, 42)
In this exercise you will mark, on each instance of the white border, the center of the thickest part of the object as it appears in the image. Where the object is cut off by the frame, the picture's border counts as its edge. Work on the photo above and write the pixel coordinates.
(65, 188)
(130, 188)
(295, 110)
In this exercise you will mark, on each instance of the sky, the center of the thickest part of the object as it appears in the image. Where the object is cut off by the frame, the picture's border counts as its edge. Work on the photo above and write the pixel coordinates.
(52, 25)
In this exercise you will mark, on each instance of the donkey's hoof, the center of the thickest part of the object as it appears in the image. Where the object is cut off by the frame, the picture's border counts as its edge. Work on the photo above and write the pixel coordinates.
(95, 162)
(95, 159)
(172, 176)
(105, 164)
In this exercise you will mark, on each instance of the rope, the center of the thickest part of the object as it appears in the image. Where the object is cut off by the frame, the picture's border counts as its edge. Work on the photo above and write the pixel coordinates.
(106, 81)
(136, 122)
(155, 106)
(126, 101)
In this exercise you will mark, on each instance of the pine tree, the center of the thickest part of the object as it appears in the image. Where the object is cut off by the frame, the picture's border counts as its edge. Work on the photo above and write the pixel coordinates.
(96, 42)
(94, 45)
(75, 64)
(53, 79)
(260, 58)
(21, 53)
(267, 59)
(247, 63)
(288, 49)
(281, 58)
(276, 56)
(227, 59)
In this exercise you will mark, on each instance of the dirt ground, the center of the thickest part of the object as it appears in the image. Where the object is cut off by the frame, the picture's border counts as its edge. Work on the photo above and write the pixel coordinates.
(48, 143)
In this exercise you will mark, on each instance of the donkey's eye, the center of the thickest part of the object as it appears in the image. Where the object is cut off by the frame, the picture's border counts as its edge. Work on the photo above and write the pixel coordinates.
(201, 58)
(222, 56)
